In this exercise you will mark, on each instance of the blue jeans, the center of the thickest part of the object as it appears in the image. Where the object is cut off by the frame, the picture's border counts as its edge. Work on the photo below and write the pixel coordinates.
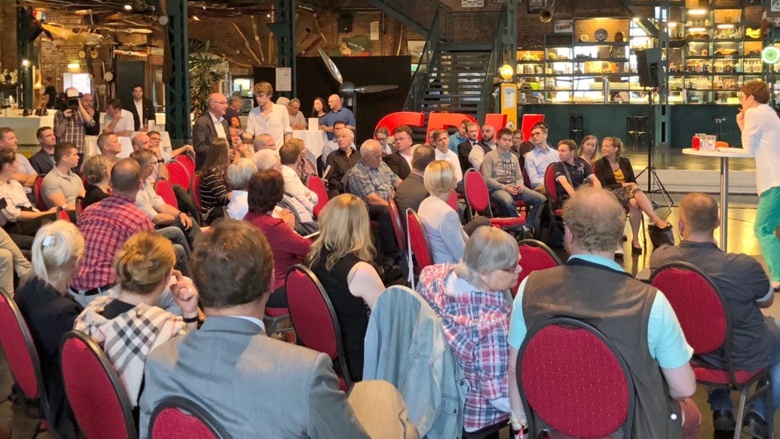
(529, 196)
(180, 247)
(720, 399)
(767, 220)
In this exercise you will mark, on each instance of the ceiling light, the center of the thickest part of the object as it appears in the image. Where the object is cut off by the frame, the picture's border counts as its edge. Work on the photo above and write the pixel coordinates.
(697, 11)
(25, 63)
(268, 15)
(696, 29)
(195, 18)
(74, 65)
(128, 7)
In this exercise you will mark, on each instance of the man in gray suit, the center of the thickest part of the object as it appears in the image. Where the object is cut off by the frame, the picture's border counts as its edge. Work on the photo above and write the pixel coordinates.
(252, 384)
(210, 126)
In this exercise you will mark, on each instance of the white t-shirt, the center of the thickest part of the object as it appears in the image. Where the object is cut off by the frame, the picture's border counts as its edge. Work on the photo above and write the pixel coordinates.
(126, 122)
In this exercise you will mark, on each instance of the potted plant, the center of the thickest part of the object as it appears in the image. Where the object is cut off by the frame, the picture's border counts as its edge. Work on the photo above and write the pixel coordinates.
(205, 71)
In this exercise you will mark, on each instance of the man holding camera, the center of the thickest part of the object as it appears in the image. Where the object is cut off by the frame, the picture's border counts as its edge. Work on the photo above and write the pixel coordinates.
(71, 120)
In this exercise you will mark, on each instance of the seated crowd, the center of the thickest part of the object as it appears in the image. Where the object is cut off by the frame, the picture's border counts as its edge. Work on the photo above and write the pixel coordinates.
(136, 263)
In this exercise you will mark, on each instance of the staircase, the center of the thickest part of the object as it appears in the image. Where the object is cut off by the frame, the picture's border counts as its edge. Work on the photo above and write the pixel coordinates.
(456, 78)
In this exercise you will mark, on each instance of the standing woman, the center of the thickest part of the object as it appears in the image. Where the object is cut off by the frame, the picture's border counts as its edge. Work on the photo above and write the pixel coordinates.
(214, 192)
(588, 148)
(760, 128)
(50, 311)
(616, 173)
(319, 108)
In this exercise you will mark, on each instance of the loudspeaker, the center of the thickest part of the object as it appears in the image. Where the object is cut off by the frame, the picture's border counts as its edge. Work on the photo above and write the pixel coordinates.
(648, 65)
(345, 22)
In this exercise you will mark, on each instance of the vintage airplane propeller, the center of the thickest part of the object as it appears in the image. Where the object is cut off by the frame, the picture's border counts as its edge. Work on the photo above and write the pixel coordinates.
(347, 89)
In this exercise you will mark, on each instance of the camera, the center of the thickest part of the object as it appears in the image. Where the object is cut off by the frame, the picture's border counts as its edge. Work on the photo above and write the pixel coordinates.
(68, 100)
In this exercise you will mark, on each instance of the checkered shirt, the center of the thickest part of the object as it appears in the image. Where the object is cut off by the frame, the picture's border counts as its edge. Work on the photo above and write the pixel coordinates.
(476, 325)
(75, 132)
(106, 226)
(366, 180)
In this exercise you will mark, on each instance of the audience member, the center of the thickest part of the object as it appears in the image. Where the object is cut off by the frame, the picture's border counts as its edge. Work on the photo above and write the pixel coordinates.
(233, 111)
(128, 325)
(341, 161)
(400, 162)
(589, 149)
(520, 147)
(11, 261)
(43, 160)
(25, 174)
(305, 167)
(488, 143)
(267, 117)
(297, 120)
(210, 126)
(616, 174)
(289, 210)
(538, 159)
(117, 120)
(633, 315)
(571, 172)
(214, 189)
(62, 186)
(340, 258)
(469, 299)
(318, 108)
(50, 312)
(439, 141)
(88, 102)
(18, 216)
(412, 191)
(238, 175)
(233, 271)
(333, 145)
(337, 112)
(458, 136)
(382, 135)
(264, 141)
(465, 147)
(109, 146)
(69, 124)
(265, 192)
(155, 138)
(95, 172)
(142, 109)
(143, 141)
(290, 156)
(743, 283)
(504, 179)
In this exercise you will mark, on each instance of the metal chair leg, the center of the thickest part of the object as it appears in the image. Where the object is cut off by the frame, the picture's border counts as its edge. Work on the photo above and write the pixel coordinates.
(740, 413)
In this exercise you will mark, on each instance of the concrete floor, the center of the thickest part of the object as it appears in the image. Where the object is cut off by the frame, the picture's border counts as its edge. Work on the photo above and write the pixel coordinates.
(740, 216)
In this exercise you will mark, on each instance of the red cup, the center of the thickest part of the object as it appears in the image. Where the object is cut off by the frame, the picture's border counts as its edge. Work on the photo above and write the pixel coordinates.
(695, 143)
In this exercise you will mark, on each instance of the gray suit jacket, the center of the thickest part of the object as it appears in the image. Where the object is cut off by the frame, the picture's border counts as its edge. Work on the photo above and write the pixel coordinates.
(203, 132)
(255, 386)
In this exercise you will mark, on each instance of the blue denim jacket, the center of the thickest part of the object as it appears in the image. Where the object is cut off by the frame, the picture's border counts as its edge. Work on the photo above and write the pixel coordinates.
(405, 345)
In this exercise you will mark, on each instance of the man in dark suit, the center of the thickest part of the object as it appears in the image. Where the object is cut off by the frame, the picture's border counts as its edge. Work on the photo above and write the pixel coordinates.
(464, 149)
(400, 161)
(412, 191)
(226, 364)
(142, 109)
(210, 126)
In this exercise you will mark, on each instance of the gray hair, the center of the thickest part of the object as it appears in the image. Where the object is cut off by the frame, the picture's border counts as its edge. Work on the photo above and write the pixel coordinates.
(294, 100)
(55, 251)
(265, 159)
(282, 101)
(370, 145)
(264, 140)
(240, 172)
(488, 249)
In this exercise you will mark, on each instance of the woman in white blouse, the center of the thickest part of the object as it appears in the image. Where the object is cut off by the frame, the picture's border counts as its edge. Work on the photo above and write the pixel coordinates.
(17, 215)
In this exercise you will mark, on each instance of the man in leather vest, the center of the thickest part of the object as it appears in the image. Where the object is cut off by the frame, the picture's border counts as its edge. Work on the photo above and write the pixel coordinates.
(635, 316)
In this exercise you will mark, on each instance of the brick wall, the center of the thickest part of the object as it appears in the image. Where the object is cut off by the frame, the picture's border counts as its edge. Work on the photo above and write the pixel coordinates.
(8, 36)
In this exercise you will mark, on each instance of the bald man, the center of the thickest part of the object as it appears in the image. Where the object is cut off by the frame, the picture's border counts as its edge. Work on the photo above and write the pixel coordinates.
(337, 112)
(210, 126)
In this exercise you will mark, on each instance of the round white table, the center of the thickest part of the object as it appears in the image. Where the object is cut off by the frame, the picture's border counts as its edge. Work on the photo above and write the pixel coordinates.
(313, 140)
(729, 153)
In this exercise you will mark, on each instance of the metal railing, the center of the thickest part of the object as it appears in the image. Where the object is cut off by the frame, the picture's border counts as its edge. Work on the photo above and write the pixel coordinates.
(420, 78)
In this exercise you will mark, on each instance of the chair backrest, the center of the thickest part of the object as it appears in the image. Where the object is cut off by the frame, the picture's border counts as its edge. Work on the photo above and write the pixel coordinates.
(178, 174)
(19, 348)
(699, 307)
(534, 255)
(95, 393)
(188, 162)
(38, 193)
(398, 226)
(418, 245)
(477, 195)
(452, 200)
(62, 214)
(195, 192)
(313, 316)
(316, 185)
(163, 189)
(79, 207)
(550, 185)
(179, 418)
(574, 379)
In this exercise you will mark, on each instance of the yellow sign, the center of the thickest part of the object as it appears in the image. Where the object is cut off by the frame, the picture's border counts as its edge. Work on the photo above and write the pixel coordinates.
(509, 104)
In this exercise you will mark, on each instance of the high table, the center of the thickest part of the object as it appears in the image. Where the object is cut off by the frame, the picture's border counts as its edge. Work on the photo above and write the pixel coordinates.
(91, 147)
(25, 127)
(313, 140)
(731, 153)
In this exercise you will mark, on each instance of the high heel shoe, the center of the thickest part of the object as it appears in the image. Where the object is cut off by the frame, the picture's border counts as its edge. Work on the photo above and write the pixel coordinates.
(636, 249)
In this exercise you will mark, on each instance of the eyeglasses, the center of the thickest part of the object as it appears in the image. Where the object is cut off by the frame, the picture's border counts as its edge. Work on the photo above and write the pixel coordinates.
(515, 270)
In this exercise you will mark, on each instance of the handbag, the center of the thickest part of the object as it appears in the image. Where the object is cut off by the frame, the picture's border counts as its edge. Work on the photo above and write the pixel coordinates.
(659, 236)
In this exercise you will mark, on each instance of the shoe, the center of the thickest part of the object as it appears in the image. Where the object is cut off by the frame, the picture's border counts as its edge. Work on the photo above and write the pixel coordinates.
(636, 250)
(723, 420)
(755, 426)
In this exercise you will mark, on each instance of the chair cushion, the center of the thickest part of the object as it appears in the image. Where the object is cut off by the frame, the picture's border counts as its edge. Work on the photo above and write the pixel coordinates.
(721, 376)
(507, 222)
(276, 312)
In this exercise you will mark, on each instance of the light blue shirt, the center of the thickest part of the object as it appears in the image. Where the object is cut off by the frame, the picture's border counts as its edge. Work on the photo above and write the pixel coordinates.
(665, 338)
(536, 162)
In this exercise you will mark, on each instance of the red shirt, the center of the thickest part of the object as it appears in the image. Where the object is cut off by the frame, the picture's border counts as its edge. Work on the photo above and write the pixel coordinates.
(106, 226)
(288, 247)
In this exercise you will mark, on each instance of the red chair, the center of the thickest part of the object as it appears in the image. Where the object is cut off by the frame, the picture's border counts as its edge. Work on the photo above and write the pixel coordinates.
(179, 418)
(453, 201)
(570, 397)
(398, 226)
(705, 320)
(553, 202)
(314, 318)
(316, 185)
(188, 162)
(195, 192)
(178, 174)
(163, 189)
(478, 200)
(94, 390)
(79, 207)
(534, 255)
(418, 244)
(38, 194)
(22, 358)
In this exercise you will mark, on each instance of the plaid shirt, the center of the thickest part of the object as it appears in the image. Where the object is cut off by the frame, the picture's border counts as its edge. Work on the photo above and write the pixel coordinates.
(366, 180)
(74, 133)
(106, 226)
(476, 326)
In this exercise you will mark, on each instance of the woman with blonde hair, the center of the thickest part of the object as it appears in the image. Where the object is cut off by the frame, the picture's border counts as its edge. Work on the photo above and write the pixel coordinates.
(588, 147)
(50, 311)
(441, 223)
(339, 258)
(144, 268)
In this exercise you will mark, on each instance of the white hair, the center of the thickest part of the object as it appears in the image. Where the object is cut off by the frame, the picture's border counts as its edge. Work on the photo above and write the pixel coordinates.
(265, 159)
(240, 172)
(55, 250)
